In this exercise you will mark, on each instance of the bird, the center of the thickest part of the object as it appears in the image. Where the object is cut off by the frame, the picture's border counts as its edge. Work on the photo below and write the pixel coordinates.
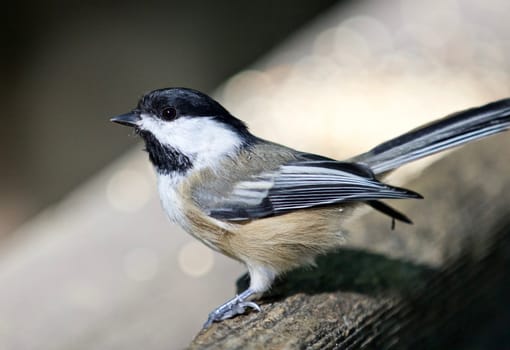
(271, 207)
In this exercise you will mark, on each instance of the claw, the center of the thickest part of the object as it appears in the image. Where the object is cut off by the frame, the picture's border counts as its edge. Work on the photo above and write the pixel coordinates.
(233, 307)
(253, 305)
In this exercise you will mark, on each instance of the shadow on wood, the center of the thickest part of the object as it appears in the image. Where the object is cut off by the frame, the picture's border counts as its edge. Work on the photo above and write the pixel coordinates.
(349, 270)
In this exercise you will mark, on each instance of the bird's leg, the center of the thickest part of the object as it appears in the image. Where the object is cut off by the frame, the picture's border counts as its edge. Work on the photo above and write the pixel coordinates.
(233, 307)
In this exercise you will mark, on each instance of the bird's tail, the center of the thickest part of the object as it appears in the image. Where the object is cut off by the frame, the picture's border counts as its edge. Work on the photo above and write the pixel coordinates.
(450, 131)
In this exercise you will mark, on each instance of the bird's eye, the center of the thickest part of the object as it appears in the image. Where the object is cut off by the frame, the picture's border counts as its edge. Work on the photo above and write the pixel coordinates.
(169, 113)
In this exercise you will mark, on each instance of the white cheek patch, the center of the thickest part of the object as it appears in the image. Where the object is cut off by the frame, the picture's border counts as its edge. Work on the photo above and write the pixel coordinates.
(152, 124)
(202, 139)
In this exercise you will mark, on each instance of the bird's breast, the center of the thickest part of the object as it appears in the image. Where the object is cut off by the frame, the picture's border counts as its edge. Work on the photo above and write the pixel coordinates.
(176, 202)
(171, 200)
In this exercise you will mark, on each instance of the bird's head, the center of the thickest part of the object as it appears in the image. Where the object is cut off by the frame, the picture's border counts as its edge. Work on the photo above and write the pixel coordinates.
(184, 128)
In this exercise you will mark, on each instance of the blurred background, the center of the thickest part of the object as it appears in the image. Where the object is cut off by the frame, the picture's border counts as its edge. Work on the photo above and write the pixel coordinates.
(87, 258)
(69, 65)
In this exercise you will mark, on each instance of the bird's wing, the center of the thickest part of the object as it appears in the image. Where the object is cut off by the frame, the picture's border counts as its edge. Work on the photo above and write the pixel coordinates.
(307, 183)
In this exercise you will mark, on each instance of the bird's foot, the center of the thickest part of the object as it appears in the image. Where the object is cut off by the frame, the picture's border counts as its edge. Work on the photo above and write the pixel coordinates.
(233, 307)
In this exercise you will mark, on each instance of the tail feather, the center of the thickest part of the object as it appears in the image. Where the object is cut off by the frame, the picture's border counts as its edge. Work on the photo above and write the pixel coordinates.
(450, 131)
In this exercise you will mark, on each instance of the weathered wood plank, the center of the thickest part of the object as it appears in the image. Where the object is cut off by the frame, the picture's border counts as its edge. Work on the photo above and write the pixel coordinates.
(420, 286)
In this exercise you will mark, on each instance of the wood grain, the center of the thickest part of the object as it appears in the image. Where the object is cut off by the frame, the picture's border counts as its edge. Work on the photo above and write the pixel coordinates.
(423, 286)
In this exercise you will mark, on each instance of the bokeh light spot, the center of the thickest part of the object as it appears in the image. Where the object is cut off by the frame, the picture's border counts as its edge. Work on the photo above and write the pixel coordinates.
(128, 190)
(195, 259)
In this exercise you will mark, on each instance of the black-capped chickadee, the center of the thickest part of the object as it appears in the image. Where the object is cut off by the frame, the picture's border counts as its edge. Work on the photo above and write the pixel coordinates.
(268, 206)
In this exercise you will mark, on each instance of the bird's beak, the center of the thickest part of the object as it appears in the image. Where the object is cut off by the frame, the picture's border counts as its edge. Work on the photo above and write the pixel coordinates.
(128, 119)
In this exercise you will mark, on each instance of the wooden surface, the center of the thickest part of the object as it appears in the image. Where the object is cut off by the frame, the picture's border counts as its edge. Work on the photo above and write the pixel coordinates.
(433, 284)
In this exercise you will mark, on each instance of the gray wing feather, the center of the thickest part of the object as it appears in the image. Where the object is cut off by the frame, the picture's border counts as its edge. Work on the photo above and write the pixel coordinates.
(302, 185)
(308, 180)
